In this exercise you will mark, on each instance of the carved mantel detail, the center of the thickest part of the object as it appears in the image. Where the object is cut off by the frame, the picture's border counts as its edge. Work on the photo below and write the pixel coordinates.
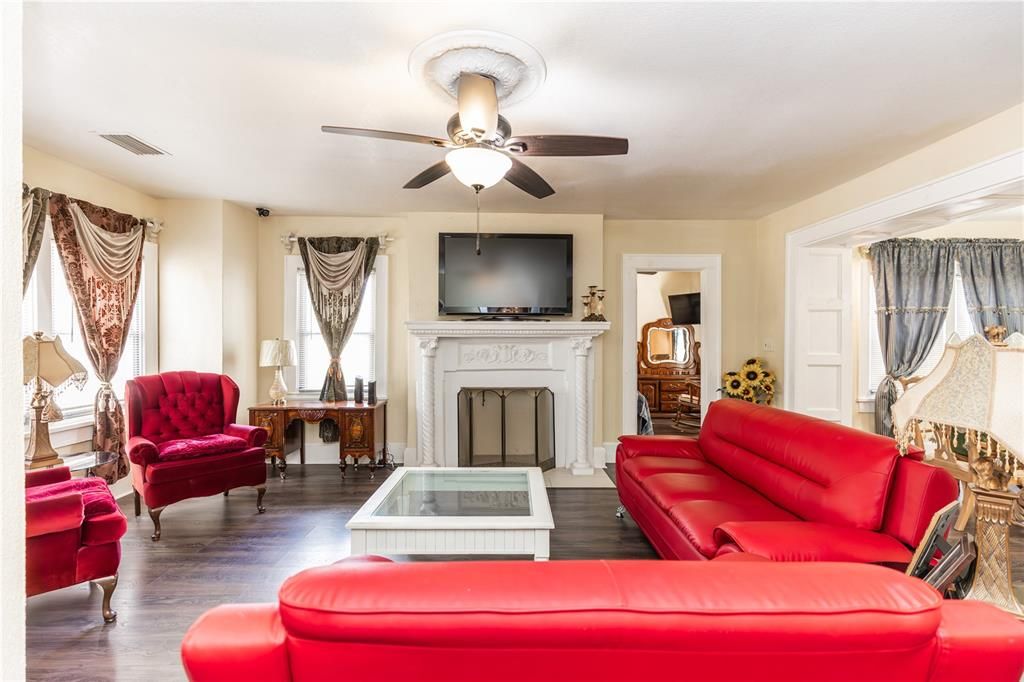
(504, 354)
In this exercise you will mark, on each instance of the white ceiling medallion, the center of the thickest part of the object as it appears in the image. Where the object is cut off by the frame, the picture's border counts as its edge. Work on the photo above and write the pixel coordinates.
(516, 68)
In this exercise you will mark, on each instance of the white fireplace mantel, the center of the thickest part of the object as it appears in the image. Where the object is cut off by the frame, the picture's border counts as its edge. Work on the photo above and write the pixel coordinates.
(454, 354)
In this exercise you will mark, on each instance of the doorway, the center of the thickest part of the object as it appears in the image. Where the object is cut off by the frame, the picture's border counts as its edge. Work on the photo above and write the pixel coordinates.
(669, 368)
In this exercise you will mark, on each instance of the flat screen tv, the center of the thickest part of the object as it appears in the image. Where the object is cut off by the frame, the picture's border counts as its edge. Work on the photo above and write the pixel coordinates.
(514, 274)
(685, 308)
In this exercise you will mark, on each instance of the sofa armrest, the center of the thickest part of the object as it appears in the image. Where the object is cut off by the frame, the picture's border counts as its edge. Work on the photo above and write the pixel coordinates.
(237, 642)
(660, 446)
(978, 639)
(46, 476)
(54, 514)
(141, 451)
(808, 541)
(255, 436)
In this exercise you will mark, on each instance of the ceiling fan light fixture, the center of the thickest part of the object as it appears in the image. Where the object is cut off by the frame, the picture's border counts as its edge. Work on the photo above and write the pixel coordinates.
(478, 166)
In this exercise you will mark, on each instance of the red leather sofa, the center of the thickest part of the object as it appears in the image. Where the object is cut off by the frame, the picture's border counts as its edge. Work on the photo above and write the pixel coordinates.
(781, 485)
(605, 620)
(73, 530)
(183, 441)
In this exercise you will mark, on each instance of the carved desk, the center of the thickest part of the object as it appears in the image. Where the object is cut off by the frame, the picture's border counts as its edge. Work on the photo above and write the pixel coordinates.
(361, 429)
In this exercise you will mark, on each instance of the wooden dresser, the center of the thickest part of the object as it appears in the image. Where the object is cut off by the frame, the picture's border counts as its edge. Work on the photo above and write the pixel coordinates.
(362, 429)
(668, 367)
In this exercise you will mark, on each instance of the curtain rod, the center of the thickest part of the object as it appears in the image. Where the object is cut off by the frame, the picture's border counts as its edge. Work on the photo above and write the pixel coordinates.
(288, 241)
(153, 225)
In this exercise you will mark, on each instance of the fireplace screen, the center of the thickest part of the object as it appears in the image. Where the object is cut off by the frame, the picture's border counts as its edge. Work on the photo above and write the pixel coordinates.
(501, 427)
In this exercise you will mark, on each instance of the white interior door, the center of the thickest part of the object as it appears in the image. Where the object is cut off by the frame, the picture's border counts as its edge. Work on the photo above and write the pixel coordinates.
(823, 372)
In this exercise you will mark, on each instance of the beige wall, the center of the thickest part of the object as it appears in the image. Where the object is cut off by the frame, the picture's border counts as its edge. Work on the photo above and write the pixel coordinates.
(652, 292)
(239, 319)
(734, 240)
(981, 142)
(191, 286)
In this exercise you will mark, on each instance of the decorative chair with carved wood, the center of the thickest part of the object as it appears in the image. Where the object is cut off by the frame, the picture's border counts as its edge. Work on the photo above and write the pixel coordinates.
(183, 441)
(73, 530)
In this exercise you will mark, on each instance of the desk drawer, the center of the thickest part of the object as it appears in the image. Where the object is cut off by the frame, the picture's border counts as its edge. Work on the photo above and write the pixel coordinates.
(680, 386)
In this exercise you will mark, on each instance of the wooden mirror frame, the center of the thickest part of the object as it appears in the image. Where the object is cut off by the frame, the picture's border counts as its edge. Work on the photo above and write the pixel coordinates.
(646, 366)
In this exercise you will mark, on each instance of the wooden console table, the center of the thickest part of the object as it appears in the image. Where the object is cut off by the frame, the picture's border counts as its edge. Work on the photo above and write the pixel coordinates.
(362, 428)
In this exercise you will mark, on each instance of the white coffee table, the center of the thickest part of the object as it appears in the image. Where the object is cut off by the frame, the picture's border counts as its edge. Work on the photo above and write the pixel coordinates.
(456, 510)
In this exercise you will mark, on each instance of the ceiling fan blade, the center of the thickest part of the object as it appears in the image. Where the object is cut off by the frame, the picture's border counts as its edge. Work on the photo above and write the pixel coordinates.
(565, 145)
(435, 172)
(478, 106)
(388, 135)
(526, 179)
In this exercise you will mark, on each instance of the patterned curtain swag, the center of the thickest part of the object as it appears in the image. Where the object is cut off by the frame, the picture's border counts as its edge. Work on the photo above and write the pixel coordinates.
(336, 270)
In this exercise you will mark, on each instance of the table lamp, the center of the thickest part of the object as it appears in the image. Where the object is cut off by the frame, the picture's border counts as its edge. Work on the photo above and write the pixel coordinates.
(47, 369)
(280, 354)
(973, 402)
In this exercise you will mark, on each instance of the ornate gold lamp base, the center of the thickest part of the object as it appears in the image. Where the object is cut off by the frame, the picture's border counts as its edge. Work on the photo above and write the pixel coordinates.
(993, 573)
(39, 453)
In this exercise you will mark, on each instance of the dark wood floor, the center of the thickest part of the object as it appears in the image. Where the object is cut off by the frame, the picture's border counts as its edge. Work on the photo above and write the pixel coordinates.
(218, 550)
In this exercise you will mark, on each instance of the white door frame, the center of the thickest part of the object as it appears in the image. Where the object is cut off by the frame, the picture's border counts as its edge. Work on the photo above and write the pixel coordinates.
(710, 268)
(971, 183)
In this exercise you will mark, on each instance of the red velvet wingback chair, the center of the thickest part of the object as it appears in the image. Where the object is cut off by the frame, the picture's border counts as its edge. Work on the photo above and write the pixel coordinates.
(183, 441)
(73, 531)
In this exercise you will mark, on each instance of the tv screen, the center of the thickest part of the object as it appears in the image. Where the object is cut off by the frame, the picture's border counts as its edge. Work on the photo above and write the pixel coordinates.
(685, 308)
(514, 274)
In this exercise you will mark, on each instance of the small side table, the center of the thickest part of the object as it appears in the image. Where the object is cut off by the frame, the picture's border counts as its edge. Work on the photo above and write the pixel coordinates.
(86, 461)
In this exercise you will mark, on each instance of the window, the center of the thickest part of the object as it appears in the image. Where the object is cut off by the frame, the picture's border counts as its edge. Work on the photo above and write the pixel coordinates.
(49, 307)
(364, 355)
(958, 321)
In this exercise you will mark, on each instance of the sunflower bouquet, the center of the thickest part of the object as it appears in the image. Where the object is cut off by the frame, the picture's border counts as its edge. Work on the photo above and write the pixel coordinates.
(752, 383)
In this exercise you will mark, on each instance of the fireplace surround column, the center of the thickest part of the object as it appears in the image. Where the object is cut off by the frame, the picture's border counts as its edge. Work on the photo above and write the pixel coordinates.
(428, 372)
(582, 464)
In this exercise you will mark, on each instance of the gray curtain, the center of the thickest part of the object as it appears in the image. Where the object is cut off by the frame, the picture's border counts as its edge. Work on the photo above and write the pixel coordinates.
(336, 310)
(34, 207)
(993, 277)
(913, 282)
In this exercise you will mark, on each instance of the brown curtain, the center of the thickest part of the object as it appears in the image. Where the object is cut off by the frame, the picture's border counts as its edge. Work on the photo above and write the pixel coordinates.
(33, 224)
(104, 316)
(336, 291)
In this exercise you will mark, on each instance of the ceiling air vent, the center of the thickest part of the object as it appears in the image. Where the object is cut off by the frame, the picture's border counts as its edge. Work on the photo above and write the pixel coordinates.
(133, 144)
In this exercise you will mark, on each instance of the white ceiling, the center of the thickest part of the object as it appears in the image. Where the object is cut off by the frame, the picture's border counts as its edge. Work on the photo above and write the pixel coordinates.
(732, 110)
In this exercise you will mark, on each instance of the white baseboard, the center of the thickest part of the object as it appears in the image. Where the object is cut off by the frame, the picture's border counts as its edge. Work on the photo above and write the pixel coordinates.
(319, 452)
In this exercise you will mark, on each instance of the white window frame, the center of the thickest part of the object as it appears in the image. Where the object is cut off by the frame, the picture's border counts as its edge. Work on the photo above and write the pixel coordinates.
(292, 266)
(76, 427)
(869, 326)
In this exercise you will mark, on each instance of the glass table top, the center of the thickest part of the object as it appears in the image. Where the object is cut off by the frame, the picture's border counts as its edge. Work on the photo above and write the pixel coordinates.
(87, 460)
(458, 493)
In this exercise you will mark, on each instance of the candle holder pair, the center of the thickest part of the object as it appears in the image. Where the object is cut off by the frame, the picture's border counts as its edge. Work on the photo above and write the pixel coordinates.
(593, 305)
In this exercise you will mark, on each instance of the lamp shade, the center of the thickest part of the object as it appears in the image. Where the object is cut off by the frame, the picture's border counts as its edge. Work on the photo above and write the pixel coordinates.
(277, 353)
(478, 166)
(46, 360)
(975, 387)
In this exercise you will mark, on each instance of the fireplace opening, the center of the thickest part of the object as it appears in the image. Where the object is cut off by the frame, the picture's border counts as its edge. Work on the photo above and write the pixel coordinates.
(506, 427)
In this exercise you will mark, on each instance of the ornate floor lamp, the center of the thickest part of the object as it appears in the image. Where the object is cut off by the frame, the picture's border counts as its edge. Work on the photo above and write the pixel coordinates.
(974, 402)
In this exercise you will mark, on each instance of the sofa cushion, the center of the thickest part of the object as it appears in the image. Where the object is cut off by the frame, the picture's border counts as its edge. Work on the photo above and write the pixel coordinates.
(697, 519)
(200, 446)
(642, 467)
(818, 470)
(668, 489)
(96, 497)
(176, 470)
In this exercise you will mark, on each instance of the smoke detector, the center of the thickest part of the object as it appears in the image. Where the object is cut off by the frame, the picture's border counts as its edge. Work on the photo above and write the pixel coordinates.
(516, 67)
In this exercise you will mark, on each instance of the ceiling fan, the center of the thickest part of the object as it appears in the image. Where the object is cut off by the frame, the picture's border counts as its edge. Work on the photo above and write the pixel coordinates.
(482, 150)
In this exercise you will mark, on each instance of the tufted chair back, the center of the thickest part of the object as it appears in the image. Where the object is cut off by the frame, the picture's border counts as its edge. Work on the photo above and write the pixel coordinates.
(175, 405)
